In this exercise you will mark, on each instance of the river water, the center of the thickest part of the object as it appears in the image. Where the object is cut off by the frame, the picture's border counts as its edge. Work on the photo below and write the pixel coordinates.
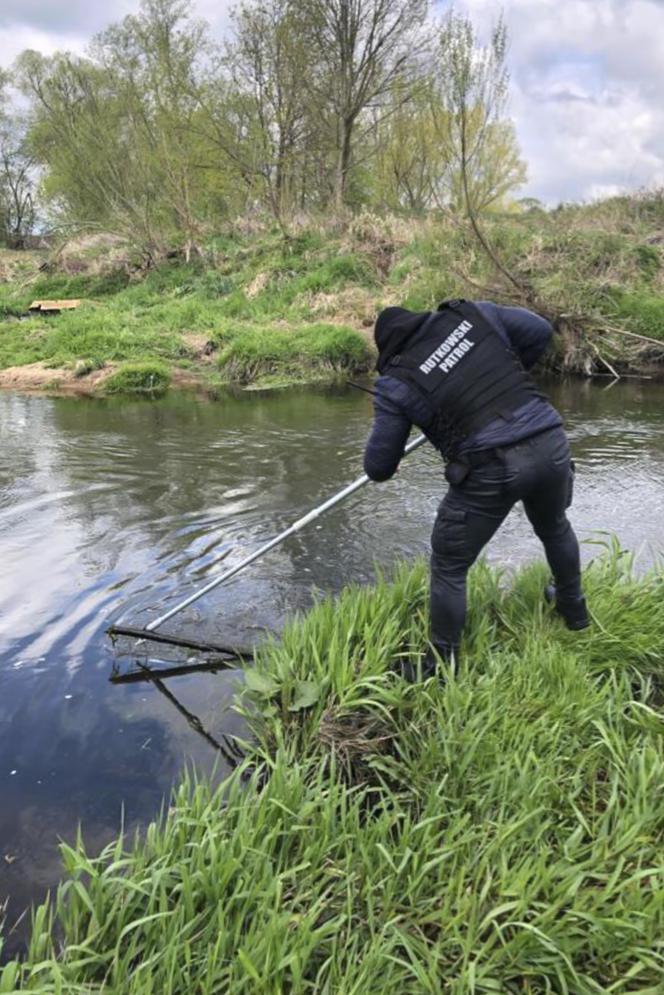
(114, 508)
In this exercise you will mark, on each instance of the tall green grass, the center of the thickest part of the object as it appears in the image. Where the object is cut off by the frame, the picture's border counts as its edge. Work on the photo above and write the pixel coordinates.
(498, 832)
(310, 350)
(147, 378)
(642, 313)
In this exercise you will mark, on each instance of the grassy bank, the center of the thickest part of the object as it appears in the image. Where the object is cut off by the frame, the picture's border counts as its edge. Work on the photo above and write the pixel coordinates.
(503, 833)
(191, 319)
(263, 309)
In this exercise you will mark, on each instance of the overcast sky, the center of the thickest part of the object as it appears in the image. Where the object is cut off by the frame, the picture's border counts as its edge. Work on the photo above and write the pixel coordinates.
(587, 80)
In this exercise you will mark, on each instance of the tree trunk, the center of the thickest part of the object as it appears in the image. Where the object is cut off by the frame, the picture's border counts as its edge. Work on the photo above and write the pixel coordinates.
(343, 162)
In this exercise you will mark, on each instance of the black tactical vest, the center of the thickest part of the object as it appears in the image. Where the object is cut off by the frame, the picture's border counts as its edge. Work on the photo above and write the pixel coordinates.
(469, 376)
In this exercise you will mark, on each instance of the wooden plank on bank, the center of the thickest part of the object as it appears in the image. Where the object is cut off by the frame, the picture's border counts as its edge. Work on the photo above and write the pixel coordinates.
(59, 305)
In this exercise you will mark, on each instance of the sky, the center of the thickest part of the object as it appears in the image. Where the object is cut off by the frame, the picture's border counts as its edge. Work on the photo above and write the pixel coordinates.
(587, 80)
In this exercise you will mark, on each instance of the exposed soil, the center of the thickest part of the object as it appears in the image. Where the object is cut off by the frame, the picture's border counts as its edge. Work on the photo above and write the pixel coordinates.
(202, 347)
(40, 378)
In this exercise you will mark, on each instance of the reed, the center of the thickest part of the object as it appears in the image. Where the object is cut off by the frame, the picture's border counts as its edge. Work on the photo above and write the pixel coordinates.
(501, 831)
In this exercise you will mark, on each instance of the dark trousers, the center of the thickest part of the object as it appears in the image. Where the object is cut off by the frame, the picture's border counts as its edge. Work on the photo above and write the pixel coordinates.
(537, 471)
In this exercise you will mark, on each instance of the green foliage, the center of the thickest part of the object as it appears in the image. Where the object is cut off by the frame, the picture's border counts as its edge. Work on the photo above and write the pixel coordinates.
(256, 304)
(649, 259)
(147, 377)
(62, 285)
(158, 132)
(642, 312)
(334, 273)
(108, 334)
(264, 300)
(10, 309)
(426, 269)
(498, 832)
(115, 132)
(253, 354)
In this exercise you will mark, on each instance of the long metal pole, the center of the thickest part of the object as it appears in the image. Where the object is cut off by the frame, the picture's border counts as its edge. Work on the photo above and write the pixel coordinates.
(301, 522)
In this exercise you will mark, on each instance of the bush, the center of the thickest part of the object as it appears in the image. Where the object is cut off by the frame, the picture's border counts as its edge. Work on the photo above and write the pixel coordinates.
(255, 352)
(146, 377)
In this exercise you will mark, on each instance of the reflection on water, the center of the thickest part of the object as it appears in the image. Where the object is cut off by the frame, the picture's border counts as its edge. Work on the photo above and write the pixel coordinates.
(113, 508)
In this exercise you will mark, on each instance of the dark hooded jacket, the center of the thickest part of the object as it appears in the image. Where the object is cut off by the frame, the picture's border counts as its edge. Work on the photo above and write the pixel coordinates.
(397, 406)
(394, 327)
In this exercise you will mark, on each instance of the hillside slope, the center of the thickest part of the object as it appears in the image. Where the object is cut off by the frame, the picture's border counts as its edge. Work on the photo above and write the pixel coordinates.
(260, 309)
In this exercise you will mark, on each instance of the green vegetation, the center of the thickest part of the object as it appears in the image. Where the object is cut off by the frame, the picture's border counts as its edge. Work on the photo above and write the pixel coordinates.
(300, 108)
(262, 309)
(139, 378)
(308, 352)
(642, 312)
(246, 319)
(301, 177)
(501, 832)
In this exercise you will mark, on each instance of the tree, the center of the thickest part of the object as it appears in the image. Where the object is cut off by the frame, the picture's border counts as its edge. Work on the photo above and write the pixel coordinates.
(418, 163)
(94, 172)
(116, 130)
(360, 49)
(470, 95)
(408, 157)
(17, 206)
(153, 60)
(158, 131)
(269, 64)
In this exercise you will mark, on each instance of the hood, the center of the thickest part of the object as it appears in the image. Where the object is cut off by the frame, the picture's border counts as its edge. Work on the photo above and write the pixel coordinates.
(394, 327)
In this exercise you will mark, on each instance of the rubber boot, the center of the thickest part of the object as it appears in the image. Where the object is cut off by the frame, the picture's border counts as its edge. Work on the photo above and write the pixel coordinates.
(573, 613)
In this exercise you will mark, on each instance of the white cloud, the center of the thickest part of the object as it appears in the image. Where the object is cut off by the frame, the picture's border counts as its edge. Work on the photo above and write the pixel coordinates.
(216, 13)
(48, 26)
(587, 85)
(16, 39)
(76, 16)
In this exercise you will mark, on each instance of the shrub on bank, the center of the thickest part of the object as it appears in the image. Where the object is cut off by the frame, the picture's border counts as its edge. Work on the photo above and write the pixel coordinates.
(253, 353)
(83, 367)
(501, 832)
(145, 377)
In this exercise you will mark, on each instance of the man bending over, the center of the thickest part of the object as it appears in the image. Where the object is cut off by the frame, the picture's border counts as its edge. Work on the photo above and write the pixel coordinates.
(461, 375)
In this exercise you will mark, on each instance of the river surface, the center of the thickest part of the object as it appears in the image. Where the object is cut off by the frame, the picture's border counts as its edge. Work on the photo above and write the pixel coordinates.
(113, 508)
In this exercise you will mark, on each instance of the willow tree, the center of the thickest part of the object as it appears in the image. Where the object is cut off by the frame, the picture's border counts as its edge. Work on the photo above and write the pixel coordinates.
(360, 50)
(94, 173)
(468, 112)
(268, 62)
(418, 163)
(114, 130)
(154, 59)
(407, 156)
